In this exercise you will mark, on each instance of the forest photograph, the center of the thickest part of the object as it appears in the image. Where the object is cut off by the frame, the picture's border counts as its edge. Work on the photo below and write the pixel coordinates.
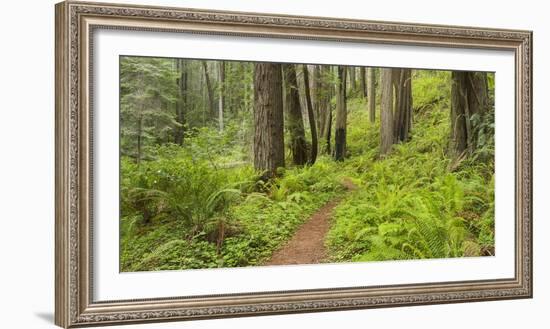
(232, 164)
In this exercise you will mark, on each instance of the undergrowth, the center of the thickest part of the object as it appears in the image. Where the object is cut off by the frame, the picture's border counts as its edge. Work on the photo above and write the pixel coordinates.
(198, 216)
(411, 204)
(203, 205)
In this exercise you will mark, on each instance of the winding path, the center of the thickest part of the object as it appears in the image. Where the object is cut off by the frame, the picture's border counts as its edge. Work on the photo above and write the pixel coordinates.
(307, 245)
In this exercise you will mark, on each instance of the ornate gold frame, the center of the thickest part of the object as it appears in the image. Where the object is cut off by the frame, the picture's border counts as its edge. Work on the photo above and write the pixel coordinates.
(76, 21)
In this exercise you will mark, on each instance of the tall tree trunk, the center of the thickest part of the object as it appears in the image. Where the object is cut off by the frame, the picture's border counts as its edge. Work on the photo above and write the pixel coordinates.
(341, 116)
(403, 106)
(268, 119)
(323, 95)
(139, 137)
(371, 93)
(315, 89)
(204, 97)
(209, 89)
(328, 130)
(468, 98)
(362, 82)
(221, 97)
(352, 86)
(229, 91)
(330, 92)
(479, 104)
(181, 102)
(311, 117)
(386, 111)
(295, 121)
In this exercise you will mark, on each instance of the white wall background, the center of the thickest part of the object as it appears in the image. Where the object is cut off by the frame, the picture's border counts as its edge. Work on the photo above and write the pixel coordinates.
(27, 162)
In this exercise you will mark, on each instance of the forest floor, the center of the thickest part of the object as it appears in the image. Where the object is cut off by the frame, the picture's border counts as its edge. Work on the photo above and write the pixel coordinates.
(307, 245)
(406, 205)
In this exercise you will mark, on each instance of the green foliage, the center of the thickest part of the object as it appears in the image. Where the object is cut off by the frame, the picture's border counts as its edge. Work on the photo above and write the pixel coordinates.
(430, 88)
(193, 208)
(485, 137)
(410, 205)
(147, 92)
(202, 205)
(363, 137)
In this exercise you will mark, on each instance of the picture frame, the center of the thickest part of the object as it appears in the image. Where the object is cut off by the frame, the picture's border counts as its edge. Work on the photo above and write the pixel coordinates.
(76, 22)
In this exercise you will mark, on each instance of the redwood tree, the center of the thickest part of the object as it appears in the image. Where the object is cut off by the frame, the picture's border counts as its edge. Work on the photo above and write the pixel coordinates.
(371, 93)
(469, 99)
(311, 117)
(341, 116)
(323, 99)
(268, 119)
(386, 111)
(181, 102)
(221, 91)
(315, 96)
(209, 89)
(352, 85)
(362, 81)
(403, 104)
(295, 121)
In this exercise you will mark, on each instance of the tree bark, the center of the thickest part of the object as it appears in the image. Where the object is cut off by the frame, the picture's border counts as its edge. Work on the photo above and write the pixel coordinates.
(315, 89)
(403, 106)
(323, 95)
(328, 129)
(352, 85)
(311, 117)
(295, 121)
(139, 137)
(181, 102)
(341, 116)
(469, 98)
(221, 96)
(371, 93)
(479, 103)
(386, 111)
(362, 82)
(268, 119)
(209, 89)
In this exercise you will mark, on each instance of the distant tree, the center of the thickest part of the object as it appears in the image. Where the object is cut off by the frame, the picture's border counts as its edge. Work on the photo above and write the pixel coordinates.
(182, 100)
(371, 93)
(315, 96)
(324, 93)
(352, 81)
(362, 81)
(330, 90)
(328, 130)
(341, 116)
(221, 93)
(268, 119)
(148, 94)
(209, 88)
(311, 117)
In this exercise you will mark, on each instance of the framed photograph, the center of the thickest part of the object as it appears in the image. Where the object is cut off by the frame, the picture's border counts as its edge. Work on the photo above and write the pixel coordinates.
(218, 164)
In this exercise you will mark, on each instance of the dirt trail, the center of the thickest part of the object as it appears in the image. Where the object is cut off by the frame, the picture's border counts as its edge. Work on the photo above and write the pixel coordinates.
(307, 245)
